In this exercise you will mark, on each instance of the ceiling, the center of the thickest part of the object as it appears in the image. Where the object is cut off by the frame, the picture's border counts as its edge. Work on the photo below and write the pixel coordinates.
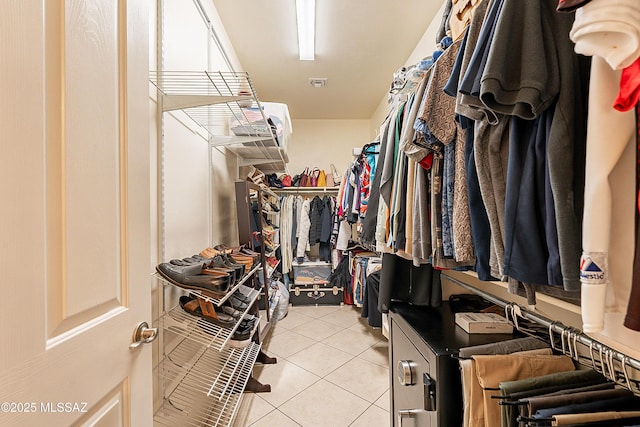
(359, 44)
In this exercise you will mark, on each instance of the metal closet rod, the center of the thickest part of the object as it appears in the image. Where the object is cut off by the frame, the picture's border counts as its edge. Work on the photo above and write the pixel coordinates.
(294, 190)
(551, 325)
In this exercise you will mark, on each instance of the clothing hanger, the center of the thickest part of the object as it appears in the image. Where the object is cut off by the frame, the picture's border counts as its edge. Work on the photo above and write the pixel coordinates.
(594, 365)
(512, 312)
(551, 340)
(563, 341)
(365, 147)
(625, 373)
(609, 371)
(510, 402)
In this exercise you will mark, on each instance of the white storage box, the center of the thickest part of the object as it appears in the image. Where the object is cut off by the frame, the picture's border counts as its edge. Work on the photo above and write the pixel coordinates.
(311, 273)
(483, 323)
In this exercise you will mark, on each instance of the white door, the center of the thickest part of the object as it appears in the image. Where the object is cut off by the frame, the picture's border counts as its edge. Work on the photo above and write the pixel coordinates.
(74, 213)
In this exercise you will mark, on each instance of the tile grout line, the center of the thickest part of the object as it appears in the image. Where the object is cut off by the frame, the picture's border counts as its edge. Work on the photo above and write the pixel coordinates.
(304, 389)
(292, 420)
(349, 391)
(374, 402)
(260, 419)
(338, 367)
(329, 373)
(359, 415)
(351, 358)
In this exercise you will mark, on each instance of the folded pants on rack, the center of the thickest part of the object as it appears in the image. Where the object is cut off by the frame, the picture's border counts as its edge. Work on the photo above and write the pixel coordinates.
(570, 419)
(504, 347)
(538, 403)
(626, 403)
(474, 394)
(492, 370)
(537, 385)
(472, 391)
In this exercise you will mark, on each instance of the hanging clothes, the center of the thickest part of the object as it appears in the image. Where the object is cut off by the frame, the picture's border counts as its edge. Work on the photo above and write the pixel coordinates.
(326, 228)
(367, 235)
(286, 232)
(480, 156)
(315, 219)
(370, 304)
(401, 280)
(304, 227)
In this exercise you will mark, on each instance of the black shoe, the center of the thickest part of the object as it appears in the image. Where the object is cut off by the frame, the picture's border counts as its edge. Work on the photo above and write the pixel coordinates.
(231, 311)
(241, 297)
(237, 304)
(190, 277)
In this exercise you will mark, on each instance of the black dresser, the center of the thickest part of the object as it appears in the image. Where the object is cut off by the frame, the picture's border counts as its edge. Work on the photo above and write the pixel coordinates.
(426, 389)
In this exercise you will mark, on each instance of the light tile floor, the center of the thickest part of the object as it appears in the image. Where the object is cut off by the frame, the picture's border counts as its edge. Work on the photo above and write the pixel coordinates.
(332, 370)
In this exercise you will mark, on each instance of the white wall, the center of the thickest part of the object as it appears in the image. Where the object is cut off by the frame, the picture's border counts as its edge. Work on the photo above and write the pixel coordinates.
(322, 142)
(194, 185)
(424, 48)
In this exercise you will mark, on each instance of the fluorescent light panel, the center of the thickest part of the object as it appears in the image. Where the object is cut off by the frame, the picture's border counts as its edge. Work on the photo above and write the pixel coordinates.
(306, 15)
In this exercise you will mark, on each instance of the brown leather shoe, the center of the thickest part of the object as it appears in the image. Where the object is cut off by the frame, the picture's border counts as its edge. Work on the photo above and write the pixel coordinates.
(205, 309)
(209, 252)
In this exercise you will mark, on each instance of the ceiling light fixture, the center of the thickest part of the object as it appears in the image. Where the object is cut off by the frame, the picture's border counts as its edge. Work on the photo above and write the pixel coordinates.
(306, 19)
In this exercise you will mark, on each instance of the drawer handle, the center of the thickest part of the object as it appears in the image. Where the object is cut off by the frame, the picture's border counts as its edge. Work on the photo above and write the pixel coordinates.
(406, 413)
(405, 372)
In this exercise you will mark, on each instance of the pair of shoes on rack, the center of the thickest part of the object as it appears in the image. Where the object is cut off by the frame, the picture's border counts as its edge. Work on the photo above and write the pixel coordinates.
(190, 277)
(246, 260)
(242, 336)
(269, 230)
(241, 251)
(272, 207)
(236, 264)
(212, 276)
(221, 258)
(269, 246)
(223, 261)
(205, 309)
(210, 252)
(272, 261)
(256, 176)
(219, 270)
(224, 315)
(266, 207)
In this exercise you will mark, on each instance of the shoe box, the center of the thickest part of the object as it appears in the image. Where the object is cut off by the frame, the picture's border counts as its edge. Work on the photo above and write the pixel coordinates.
(311, 286)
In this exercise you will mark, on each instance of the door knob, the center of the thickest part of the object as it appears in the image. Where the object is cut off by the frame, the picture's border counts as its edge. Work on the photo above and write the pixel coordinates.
(143, 334)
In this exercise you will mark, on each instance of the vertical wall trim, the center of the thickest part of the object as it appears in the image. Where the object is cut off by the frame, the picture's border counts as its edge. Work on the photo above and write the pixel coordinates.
(160, 129)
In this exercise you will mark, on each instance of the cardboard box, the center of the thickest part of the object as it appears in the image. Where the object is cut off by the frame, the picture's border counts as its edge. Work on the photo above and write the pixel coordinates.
(483, 323)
